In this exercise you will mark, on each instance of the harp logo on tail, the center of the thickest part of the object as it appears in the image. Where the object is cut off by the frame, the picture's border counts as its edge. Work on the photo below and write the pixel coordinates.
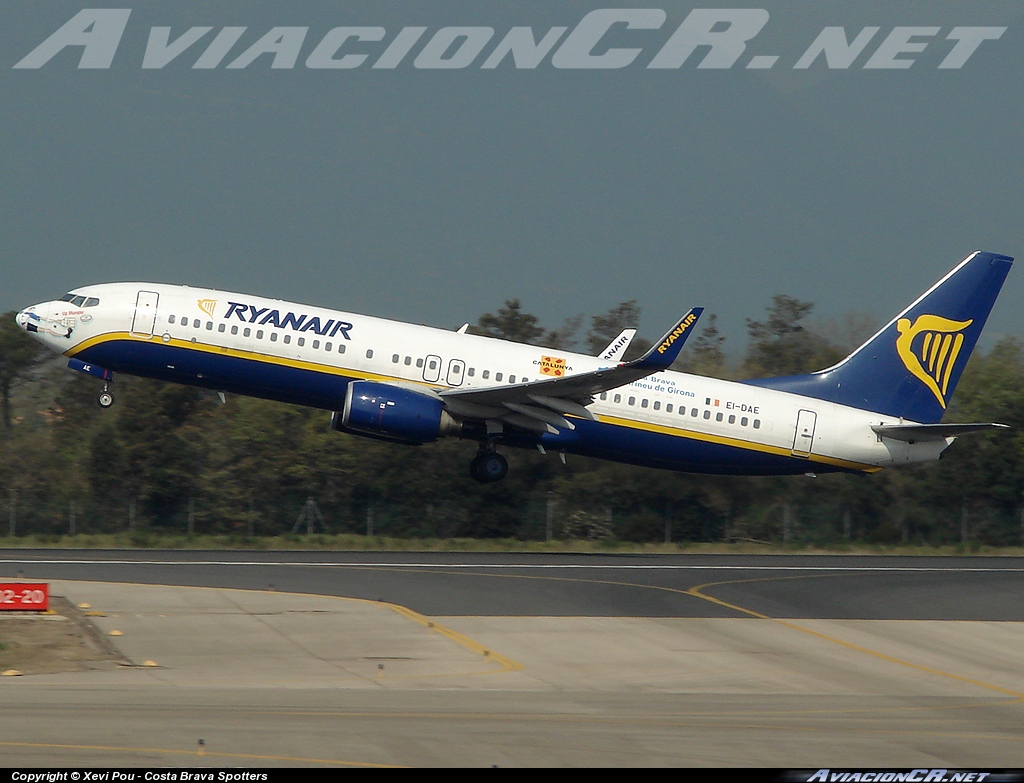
(929, 349)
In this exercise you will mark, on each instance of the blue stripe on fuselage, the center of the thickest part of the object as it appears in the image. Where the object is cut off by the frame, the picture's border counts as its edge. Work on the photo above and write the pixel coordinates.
(251, 377)
(269, 380)
(637, 446)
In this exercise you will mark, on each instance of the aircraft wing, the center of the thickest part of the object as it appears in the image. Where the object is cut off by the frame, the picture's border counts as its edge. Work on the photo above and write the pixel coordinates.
(539, 405)
(919, 433)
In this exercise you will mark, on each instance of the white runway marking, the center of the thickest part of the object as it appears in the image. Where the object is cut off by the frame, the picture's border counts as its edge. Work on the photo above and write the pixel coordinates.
(521, 566)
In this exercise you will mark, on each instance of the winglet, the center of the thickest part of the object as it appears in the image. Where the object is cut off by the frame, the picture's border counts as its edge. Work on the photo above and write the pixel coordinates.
(618, 346)
(665, 351)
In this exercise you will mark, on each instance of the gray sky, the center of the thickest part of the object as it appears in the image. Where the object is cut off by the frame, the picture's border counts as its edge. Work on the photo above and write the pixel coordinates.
(431, 195)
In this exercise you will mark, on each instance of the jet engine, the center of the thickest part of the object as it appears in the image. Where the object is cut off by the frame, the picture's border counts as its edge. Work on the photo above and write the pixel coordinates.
(395, 413)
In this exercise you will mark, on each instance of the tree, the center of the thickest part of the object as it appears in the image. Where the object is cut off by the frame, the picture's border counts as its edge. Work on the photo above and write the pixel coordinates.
(782, 345)
(605, 328)
(706, 355)
(18, 353)
(511, 323)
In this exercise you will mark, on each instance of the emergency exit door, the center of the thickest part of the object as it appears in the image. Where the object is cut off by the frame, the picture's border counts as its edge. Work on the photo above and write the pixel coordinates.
(144, 320)
(804, 437)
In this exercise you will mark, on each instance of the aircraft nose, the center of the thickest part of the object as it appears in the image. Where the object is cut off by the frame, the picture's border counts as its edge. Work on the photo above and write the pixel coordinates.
(26, 319)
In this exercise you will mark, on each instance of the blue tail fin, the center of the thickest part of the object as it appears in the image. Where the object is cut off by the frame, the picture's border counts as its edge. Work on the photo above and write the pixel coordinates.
(911, 367)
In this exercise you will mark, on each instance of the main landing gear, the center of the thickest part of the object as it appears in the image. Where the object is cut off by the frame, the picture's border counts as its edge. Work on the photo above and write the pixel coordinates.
(106, 399)
(488, 465)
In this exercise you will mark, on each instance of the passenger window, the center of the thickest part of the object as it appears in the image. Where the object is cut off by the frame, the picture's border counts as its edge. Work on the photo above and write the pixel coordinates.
(273, 337)
(395, 358)
(732, 418)
(209, 326)
(408, 362)
(693, 412)
(668, 408)
(718, 417)
(328, 346)
(246, 331)
(170, 319)
(643, 403)
(498, 376)
(707, 414)
(259, 333)
(341, 347)
(316, 344)
(632, 400)
(511, 379)
(604, 395)
(486, 374)
(471, 371)
(221, 328)
(287, 339)
(744, 421)
(618, 398)
(757, 424)
(657, 405)
(301, 341)
(419, 363)
(234, 330)
(369, 353)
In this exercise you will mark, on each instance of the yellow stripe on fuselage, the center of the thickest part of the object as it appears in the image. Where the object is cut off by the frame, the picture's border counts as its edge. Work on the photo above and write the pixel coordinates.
(220, 350)
(734, 442)
(351, 373)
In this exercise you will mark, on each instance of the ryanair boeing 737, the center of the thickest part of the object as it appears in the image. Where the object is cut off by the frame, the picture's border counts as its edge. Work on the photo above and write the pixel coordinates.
(881, 406)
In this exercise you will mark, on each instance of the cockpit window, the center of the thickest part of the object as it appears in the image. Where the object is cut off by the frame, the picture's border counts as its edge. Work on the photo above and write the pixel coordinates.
(80, 301)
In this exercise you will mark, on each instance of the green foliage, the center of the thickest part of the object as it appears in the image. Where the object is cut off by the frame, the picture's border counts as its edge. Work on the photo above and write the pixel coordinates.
(18, 353)
(705, 355)
(782, 345)
(511, 323)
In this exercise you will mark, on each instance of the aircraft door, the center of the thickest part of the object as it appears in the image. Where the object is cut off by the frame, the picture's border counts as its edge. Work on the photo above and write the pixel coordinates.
(804, 437)
(144, 320)
(456, 370)
(432, 369)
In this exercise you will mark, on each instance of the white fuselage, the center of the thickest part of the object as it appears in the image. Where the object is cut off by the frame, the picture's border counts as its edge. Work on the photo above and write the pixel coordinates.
(248, 344)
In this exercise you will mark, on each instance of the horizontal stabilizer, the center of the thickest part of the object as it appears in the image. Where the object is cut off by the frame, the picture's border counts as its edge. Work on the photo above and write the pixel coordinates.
(920, 433)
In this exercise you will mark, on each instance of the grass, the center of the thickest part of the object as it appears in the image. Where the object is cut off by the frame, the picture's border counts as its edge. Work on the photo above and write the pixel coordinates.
(150, 539)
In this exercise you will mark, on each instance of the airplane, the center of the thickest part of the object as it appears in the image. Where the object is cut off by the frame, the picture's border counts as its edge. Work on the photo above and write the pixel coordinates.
(881, 406)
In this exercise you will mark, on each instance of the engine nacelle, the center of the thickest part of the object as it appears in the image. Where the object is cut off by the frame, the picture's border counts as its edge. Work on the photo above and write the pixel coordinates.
(382, 410)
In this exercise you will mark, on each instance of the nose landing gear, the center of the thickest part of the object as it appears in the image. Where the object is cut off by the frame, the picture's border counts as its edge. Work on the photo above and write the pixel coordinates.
(488, 465)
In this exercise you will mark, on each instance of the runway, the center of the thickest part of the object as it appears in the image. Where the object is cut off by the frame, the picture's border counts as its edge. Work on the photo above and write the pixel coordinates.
(418, 659)
(786, 586)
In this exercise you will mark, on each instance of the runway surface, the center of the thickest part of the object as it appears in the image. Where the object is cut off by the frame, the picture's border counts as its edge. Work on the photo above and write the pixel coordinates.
(531, 660)
(788, 586)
